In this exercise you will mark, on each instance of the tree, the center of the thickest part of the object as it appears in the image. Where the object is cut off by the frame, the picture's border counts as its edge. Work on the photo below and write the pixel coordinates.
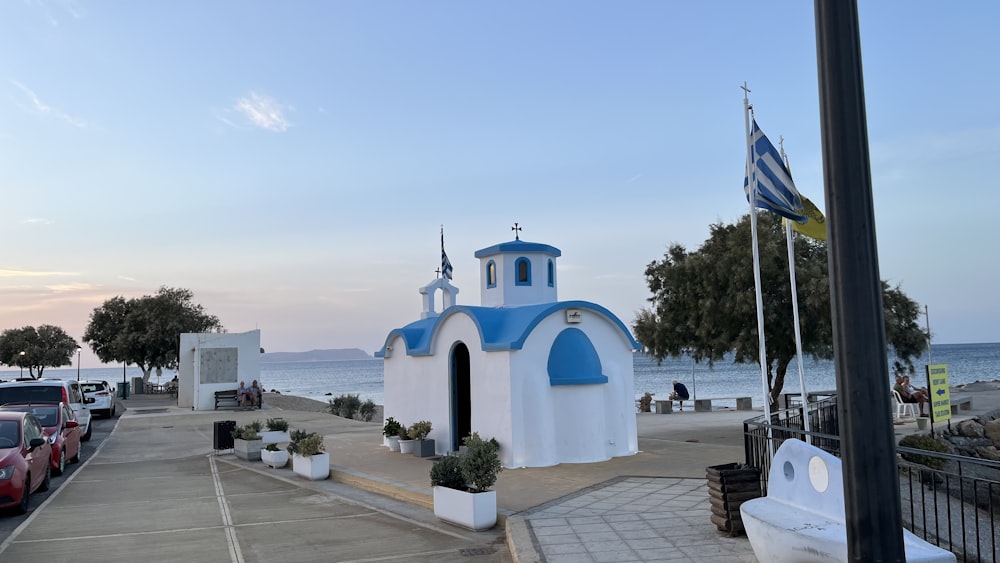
(704, 302)
(146, 331)
(37, 349)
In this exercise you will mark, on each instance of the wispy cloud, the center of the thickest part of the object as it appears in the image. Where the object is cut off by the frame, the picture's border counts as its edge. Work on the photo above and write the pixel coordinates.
(37, 221)
(66, 287)
(126, 278)
(32, 274)
(36, 105)
(70, 6)
(263, 112)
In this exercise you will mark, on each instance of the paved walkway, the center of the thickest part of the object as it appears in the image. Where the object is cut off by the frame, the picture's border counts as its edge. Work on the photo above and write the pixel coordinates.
(157, 491)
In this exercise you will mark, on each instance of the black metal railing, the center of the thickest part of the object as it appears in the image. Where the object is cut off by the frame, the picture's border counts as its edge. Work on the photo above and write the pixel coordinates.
(948, 500)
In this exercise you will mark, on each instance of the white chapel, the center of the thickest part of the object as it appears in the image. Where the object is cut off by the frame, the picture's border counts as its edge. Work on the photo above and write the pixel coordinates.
(551, 381)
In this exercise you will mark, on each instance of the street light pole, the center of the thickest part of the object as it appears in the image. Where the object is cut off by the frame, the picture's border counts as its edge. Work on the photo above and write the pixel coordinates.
(20, 362)
(78, 363)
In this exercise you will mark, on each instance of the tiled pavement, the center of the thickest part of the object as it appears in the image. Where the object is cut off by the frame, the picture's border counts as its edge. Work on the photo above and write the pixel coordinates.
(634, 519)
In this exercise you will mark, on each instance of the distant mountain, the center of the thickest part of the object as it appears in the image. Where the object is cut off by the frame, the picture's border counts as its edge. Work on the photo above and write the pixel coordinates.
(315, 356)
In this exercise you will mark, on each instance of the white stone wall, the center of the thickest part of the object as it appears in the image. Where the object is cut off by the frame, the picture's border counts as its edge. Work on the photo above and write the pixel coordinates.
(507, 293)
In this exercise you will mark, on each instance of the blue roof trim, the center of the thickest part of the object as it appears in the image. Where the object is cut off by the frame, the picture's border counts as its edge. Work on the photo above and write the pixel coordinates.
(499, 328)
(518, 246)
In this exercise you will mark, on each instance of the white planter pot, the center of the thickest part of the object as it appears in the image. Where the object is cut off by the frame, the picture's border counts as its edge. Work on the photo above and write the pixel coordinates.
(275, 436)
(393, 443)
(475, 511)
(276, 459)
(314, 467)
(248, 449)
(406, 446)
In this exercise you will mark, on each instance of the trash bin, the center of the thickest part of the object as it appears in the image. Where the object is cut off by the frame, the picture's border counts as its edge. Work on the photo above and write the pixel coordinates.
(123, 390)
(138, 386)
(222, 436)
(729, 486)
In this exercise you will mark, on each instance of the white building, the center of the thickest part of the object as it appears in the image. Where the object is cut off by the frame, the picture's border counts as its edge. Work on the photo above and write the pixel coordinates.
(551, 381)
(215, 361)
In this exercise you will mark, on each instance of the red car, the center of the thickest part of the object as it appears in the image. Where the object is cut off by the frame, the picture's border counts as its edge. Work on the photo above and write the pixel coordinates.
(25, 459)
(61, 428)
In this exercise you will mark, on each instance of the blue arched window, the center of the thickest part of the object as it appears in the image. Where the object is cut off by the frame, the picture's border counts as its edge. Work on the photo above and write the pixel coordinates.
(491, 274)
(522, 271)
(574, 361)
(552, 274)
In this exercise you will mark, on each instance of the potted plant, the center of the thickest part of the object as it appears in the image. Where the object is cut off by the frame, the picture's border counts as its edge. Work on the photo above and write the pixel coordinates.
(391, 430)
(308, 456)
(406, 443)
(273, 456)
(247, 441)
(461, 485)
(277, 431)
(419, 431)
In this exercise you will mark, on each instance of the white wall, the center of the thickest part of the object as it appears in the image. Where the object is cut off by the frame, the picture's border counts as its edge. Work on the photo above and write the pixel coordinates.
(192, 392)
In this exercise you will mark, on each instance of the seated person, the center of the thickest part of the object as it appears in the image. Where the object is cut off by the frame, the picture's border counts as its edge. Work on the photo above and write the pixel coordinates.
(242, 393)
(909, 394)
(680, 394)
(255, 393)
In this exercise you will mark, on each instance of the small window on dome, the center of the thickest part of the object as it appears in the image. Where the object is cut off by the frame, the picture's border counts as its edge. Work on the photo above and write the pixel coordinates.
(523, 268)
(491, 274)
(552, 274)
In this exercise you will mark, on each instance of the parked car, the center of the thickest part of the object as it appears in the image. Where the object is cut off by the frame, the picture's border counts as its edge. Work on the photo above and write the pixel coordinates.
(103, 396)
(25, 459)
(50, 391)
(60, 427)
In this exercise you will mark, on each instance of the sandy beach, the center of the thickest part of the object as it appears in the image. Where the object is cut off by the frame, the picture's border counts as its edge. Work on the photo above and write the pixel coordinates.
(293, 403)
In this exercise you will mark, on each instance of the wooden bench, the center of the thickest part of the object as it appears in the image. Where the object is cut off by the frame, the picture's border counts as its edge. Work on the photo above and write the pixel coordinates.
(964, 404)
(223, 399)
(705, 405)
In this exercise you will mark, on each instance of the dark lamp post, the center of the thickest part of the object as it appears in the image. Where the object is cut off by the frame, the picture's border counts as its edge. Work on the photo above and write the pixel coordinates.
(78, 363)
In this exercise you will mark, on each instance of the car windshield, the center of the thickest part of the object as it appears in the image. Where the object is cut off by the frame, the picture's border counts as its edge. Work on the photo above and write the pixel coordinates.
(8, 433)
(91, 387)
(31, 394)
(47, 415)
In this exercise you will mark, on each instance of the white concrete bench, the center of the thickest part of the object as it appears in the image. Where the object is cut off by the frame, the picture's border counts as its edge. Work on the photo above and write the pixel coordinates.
(666, 406)
(705, 405)
(802, 517)
(964, 404)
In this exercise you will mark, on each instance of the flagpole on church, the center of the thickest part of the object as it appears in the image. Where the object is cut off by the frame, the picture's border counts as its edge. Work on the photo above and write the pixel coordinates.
(751, 174)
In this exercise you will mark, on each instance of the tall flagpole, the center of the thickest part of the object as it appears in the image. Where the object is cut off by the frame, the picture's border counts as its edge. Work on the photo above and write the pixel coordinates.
(751, 174)
(789, 241)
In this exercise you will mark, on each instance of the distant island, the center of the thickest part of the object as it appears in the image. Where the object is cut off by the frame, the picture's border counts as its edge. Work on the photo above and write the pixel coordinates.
(315, 356)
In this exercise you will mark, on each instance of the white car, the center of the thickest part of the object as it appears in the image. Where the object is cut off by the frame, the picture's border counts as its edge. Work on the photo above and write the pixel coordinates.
(53, 391)
(103, 396)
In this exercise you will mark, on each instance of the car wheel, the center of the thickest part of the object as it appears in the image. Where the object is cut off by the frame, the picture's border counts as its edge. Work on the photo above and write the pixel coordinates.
(62, 463)
(90, 428)
(113, 408)
(48, 478)
(76, 458)
(22, 507)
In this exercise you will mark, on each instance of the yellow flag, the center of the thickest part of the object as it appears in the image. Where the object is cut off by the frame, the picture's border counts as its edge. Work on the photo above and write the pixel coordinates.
(815, 226)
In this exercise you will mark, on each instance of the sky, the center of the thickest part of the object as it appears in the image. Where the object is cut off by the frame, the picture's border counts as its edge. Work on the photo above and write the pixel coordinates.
(292, 163)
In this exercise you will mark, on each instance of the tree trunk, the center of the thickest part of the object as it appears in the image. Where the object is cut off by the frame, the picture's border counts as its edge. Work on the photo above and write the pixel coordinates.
(779, 381)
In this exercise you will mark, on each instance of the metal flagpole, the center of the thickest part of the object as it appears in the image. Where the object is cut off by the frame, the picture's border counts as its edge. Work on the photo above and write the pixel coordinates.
(751, 165)
(789, 241)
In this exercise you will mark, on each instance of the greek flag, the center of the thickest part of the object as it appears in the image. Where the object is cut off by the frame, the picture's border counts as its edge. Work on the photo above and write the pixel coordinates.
(771, 181)
(445, 263)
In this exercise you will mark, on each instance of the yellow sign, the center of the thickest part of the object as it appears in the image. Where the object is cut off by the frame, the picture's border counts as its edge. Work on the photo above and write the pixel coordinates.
(937, 375)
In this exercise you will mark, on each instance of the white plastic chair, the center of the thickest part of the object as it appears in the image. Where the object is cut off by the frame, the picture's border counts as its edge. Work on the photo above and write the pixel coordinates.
(902, 408)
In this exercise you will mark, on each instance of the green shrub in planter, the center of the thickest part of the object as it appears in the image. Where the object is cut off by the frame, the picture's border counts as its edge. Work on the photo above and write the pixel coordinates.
(307, 444)
(294, 438)
(391, 427)
(277, 425)
(419, 430)
(247, 432)
(481, 463)
(272, 447)
(447, 472)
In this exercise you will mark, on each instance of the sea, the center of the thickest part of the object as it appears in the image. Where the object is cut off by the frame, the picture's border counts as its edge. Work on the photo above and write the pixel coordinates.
(967, 363)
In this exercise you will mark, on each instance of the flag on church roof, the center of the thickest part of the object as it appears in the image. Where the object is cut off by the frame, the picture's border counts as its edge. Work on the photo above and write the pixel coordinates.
(446, 270)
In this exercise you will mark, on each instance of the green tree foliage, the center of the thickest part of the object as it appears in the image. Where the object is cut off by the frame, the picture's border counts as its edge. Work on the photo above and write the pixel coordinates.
(36, 349)
(146, 331)
(704, 304)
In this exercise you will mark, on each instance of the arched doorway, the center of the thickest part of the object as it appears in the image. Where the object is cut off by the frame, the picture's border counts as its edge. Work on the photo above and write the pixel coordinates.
(461, 395)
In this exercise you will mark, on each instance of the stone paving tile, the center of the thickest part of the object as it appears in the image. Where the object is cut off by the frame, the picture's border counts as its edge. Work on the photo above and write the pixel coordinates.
(635, 519)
